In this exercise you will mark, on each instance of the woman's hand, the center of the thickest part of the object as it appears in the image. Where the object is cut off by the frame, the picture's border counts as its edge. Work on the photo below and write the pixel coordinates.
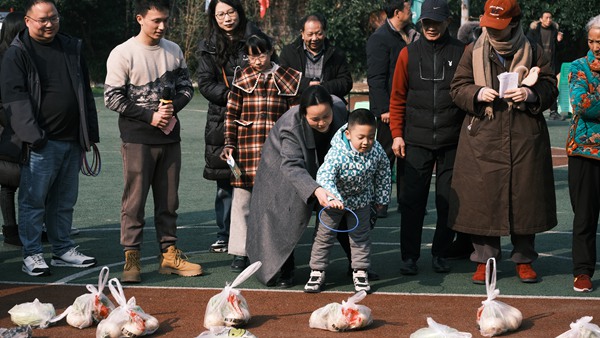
(226, 153)
(327, 199)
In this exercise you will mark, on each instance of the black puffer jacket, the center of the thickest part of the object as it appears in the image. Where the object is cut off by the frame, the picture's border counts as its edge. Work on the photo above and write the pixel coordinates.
(433, 121)
(211, 83)
(22, 108)
(336, 77)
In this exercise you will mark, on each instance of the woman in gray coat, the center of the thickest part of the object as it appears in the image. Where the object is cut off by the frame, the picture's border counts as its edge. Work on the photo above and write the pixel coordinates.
(285, 190)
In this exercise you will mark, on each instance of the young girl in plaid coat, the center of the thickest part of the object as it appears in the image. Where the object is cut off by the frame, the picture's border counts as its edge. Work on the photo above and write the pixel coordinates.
(260, 94)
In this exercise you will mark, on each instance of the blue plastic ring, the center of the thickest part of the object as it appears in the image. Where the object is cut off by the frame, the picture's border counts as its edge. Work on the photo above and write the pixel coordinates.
(337, 230)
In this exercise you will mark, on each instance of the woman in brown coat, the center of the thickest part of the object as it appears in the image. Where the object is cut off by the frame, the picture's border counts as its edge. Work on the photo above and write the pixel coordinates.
(503, 182)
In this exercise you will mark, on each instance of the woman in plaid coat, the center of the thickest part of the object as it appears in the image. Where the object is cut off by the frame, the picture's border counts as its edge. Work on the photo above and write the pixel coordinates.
(260, 94)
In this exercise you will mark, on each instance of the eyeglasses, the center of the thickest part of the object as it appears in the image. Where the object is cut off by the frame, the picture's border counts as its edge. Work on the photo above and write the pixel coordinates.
(220, 16)
(261, 57)
(44, 21)
(435, 78)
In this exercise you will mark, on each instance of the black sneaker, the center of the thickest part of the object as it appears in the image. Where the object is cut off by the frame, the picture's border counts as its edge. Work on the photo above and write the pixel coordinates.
(361, 281)
(440, 265)
(315, 281)
(239, 263)
(219, 246)
(554, 115)
(409, 267)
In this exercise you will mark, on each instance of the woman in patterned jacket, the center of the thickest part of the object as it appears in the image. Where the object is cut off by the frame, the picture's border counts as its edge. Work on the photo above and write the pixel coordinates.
(584, 157)
(260, 94)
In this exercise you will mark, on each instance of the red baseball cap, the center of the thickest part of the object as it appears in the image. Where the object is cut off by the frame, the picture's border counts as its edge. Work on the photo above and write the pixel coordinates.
(499, 13)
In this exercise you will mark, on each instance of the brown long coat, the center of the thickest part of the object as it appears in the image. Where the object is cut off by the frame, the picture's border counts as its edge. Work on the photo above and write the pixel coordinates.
(503, 181)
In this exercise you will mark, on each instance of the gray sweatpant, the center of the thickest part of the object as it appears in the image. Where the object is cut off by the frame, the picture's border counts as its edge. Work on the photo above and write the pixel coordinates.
(360, 239)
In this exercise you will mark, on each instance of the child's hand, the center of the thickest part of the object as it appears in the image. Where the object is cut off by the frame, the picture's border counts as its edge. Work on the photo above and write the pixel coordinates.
(326, 199)
(334, 203)
(226, 153)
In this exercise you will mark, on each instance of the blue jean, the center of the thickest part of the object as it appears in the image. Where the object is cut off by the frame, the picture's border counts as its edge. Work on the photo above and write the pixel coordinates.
(47, 194)
(223, 208)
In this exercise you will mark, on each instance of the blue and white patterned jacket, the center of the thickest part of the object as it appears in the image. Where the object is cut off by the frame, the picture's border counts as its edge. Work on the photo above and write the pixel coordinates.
(356, 179)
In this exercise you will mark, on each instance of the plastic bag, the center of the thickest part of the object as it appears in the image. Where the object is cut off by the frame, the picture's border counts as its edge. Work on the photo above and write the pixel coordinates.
(436, 330)
(582, 328)
(17, 332)
(127, 320)
(495, 317)
(341, 317)
(224, 331)
(229, 307)
(35, 314)
(91, 307)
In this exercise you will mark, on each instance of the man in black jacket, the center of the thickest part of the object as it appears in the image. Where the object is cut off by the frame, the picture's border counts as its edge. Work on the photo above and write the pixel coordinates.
(545, 32)
(318, 60)
(47, 97)
(425, 124)
(383, 48)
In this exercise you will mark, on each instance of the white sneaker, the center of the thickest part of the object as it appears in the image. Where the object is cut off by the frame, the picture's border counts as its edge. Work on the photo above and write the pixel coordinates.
(35, 265)
(361, 281)
(73, 258)
(315, 281)
(219, 246)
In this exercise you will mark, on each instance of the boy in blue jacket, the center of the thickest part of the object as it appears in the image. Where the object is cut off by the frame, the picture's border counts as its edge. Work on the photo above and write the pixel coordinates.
(357, 171)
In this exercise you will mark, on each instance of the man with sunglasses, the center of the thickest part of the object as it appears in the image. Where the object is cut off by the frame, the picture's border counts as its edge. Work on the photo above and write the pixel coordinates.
(425, 125)
(47, 96)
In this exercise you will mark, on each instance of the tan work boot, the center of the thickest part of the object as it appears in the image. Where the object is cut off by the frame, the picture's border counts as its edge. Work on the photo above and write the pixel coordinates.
(172, 262)
(132, 268)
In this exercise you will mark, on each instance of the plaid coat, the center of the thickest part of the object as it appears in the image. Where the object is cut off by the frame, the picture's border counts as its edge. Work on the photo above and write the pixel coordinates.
(255, 103)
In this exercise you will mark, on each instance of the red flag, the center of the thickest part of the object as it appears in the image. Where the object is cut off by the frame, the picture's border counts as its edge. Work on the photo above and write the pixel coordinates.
(264, 4)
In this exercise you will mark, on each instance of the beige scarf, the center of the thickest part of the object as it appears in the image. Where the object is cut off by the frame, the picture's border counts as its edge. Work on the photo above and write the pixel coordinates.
(517, 46)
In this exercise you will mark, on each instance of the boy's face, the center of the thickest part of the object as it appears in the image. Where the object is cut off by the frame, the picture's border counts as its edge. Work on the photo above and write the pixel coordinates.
(361, 136)
(153, 26)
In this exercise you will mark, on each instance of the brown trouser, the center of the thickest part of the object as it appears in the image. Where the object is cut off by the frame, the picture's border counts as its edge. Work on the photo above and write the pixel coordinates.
(146, 166)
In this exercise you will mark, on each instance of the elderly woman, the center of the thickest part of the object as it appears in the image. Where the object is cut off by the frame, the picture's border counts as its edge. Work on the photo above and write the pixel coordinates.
(584, 158)
(503, 182)
(285, 190)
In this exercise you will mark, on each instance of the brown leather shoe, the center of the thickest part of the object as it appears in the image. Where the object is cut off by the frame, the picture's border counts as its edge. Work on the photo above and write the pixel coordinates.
(132, 269)
(174, 262)
(526, 273)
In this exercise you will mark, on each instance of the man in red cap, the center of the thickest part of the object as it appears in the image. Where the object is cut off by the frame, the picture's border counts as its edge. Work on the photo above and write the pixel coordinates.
(503, 183)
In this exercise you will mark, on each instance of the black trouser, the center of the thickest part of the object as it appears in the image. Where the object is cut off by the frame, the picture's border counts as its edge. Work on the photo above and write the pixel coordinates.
(418, 167)
(9, 179)
(584, 190)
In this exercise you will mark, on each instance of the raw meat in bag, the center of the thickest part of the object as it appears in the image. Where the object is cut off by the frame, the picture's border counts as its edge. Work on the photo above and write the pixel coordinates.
(582, 328)
(229, 307)
(436, 330)
(91, 307)
(341, 317)
(128, 319)
(495, 317)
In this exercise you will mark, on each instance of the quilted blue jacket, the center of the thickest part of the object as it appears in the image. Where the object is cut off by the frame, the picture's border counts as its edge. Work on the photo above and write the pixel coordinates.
(584, 85)
(356, 179)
